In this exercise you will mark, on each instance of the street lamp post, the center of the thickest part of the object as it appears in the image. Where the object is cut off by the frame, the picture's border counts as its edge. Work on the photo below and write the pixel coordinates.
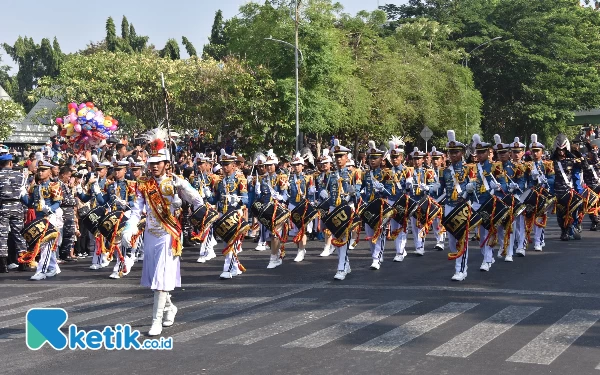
(297, 52)
(465, 63)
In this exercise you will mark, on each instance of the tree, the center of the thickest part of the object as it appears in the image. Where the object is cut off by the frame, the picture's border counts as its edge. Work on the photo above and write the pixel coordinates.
(137, 43)
(542, 70)
(111, 35)
(189, 47)
(217, 40)
(10, 112)
(171, 50)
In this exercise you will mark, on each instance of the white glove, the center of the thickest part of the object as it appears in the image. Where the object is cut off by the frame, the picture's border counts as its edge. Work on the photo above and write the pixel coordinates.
(278, 196)
(249, 179)
(424, 187)
(470, 187)
(257, 187)
(176, 202)
(95, 189)
(312, 190)
(409, 185)
(46, 209)
(23, 191)
(535, 174)
(513, 186)
(324, 194)
(494, 185)
(436, 186)
(351, 190)
(79, 189)
(233, 200)
(207, 192)
(378, 186)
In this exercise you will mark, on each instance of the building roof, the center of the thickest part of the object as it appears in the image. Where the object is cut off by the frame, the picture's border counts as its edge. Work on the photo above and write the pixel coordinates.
(3, 94)
(35, 128)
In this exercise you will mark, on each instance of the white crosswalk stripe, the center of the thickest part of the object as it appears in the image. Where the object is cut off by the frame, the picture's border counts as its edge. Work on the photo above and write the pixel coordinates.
(551, 343)
(476, 337)
(16, 300)
(348, 326)
(293, 322)
(228, 322)
(415, 328)
(22, 309)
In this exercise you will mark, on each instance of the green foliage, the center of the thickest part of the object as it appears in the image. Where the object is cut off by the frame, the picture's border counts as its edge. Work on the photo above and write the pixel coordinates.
(171, 50)
(189, 47)
(111, 35)
(217, 40)
(543, 69)
(10, 112)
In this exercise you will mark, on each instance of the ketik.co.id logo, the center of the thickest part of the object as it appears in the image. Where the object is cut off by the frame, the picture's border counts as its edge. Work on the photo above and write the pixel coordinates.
(43, 326)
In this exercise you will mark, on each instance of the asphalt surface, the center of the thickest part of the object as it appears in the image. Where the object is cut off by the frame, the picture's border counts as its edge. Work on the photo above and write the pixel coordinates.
(537, 315)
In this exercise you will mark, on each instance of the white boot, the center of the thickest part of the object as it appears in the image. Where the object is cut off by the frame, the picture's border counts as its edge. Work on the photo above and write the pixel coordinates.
(211, 254)
(160, 299)
(170, 312)
(275, 261)
(300, 256)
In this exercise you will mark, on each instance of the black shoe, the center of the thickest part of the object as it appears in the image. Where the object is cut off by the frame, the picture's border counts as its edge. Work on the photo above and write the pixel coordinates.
(3, 265)
(594, 227)
(577, 235)
(564, 236)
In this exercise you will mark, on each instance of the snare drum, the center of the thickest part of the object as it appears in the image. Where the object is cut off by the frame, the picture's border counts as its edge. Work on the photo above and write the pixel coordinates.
(338, 220)
(590, 200)
(456, 221)
(303, 213)
(377, 213)
(230, 226)
(264, 214)
(512, 203)
(33, 232)
(487, 209)
(569, 201)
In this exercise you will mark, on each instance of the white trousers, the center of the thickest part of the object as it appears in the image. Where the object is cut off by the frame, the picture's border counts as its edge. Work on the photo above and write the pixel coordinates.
(231, 262)
(519, 230)
(47, 258)
(511, 240)
(400, 241)
(419, 242)
(438, 231)
(378, 247)
(460, 263)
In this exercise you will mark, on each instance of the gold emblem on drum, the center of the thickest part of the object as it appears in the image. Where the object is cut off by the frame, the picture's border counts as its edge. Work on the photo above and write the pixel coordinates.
(459, 219)
(227, 224)
(297, 217)
(340, 218)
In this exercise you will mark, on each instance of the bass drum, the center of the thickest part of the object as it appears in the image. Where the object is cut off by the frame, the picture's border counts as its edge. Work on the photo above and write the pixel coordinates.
(377, 213)
(427, 209)
(264, 214)
(404, 207)
(203, 217)
(303, 213)
(230, 226)
(456, 221)
(569, 201)
(512, 203)
(112, 224)
(34, 231)
(489, 215)
(92, 219)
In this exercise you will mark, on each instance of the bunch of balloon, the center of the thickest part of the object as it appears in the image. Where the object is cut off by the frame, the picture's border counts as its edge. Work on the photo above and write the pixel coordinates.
(85, 126)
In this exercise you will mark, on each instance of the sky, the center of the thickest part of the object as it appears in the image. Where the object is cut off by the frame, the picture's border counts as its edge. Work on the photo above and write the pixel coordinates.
(77, 23)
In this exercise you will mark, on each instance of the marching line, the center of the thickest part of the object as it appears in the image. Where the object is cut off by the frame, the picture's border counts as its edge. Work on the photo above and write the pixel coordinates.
(293, 322)
(350, 325)
(481, 334)
(548, 345)
(228, 322)
(415, 328)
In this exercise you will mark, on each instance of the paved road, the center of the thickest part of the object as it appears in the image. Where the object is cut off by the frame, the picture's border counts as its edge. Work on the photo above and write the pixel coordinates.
(537, 315)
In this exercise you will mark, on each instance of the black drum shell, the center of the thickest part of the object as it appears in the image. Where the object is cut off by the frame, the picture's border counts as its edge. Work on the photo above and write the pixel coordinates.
(298, 216)
(400, 205)
(93, 218)
(111, 223)
(226, 227)
(32, 233)
(370, 215)
(203, 215)
(486, 209)
(455, 222)
(264, 214)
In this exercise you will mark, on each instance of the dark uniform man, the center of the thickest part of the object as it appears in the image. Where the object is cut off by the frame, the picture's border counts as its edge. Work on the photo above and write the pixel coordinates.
(67, 205)
(12, 186)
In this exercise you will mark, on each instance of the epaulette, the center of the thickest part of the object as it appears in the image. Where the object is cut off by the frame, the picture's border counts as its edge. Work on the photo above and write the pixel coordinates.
(55, 190)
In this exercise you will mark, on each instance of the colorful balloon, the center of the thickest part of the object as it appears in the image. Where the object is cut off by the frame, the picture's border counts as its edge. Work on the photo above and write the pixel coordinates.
(59, 120)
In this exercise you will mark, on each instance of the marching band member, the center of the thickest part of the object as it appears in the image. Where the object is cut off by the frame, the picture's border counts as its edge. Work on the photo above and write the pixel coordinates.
(95, 186)
(273, 187)
(231, 194)
(372, 189)
(591, 170)
(482, 190)
(302, 187)
(419, 184)
(566, 166)
(435, 192)
(457, 183)
(204, 178)
(517, 150)
(45, 198)
(261, 174)
(323, 181)
(120, 195)
(70, 225)
(339, 188)
(515, 180)
(355, 175)
(161, 195)
(541, 173)
(396, 185)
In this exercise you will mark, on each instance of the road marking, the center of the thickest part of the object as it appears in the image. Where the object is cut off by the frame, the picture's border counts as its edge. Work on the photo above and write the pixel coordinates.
(132, 318)
(545, 348)
(350, 325)
(15, 300)
(415, 328)
(476, 337)
(22, 309)
(69, 309)
(228, 322)
(293, 322)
